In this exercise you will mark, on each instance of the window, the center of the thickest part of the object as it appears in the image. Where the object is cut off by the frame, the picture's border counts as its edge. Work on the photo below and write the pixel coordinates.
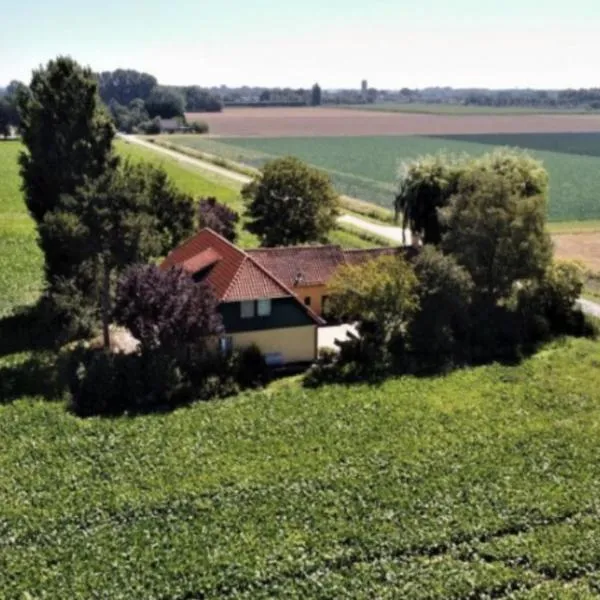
(307, 300)
(264, 308)
(247, 309)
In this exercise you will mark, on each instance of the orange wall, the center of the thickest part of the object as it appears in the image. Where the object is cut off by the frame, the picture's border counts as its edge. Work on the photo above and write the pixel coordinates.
(316, 293)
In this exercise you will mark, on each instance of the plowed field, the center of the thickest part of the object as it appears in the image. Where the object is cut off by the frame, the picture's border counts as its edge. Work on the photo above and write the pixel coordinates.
(282, 122)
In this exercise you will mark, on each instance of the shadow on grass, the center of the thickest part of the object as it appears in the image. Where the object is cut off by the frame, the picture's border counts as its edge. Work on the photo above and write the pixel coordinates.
(39, 375)
(29, 329)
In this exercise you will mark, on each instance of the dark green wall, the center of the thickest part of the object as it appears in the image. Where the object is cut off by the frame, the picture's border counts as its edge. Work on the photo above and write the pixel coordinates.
(285, 312)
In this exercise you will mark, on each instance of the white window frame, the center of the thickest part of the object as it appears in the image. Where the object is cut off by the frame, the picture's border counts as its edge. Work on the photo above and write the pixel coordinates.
(247, 309)
(263, 307)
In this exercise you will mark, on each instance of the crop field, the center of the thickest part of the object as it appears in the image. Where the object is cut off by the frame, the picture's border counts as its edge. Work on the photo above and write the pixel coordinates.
(484, 483)
(366, 167)
(325, 122)
(460, 109)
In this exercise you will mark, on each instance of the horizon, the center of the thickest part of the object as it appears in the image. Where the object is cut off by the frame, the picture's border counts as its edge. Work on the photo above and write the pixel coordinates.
(336, 45)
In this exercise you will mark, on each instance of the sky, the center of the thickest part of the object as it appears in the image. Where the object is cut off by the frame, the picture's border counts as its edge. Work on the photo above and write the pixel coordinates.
(337, 43)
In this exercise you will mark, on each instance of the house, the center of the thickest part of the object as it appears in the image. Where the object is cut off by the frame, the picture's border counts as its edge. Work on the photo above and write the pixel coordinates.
(271, 297)
(257, 308)
(173, 126)
(307, 270)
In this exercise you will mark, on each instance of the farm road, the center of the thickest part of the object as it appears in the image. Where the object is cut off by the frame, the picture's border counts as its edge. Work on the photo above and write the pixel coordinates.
(387, 231)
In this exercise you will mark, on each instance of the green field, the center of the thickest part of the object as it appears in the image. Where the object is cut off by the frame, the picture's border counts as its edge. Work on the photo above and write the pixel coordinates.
(483, 483)
(367, 167)
(459, 109)
(20, 259)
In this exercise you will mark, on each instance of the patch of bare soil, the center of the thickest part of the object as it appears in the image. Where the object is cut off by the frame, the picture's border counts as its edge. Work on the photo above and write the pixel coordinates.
(579, 246)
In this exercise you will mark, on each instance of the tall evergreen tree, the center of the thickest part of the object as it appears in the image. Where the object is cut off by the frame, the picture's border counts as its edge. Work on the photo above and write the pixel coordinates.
(68, 139)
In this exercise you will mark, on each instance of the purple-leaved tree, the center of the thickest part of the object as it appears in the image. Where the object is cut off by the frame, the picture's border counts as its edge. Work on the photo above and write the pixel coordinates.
(217, 216)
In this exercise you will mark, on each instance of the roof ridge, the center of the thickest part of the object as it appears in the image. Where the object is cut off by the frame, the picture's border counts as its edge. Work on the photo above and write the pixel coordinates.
(285, 248)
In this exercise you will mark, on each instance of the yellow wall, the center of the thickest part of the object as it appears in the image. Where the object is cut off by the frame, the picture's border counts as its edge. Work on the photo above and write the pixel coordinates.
(316, 293)
(296, 344)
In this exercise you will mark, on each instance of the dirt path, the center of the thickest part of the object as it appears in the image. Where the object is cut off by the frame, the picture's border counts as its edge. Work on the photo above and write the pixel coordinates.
(201, 164)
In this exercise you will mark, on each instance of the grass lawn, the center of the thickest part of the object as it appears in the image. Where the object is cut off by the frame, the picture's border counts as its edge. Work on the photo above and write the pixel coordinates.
(483, 483)
(21, 261)
(367, 167)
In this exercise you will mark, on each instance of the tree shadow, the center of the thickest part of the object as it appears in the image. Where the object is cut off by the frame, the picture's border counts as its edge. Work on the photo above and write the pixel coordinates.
(39, 375)
(30, 328)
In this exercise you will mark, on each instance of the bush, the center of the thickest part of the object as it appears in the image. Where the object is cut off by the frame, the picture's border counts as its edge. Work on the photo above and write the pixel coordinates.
(437, 332)
(151, 127)
(250, 369)
(220, 218)
(551, 299)
(199, 126)
(103, 383)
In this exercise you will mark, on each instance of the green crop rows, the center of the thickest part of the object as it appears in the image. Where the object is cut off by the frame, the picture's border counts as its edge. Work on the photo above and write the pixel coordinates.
(367, 167)
(481, 483)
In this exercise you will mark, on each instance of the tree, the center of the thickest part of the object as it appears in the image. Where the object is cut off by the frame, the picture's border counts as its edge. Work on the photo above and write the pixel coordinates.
(218, 217)
(381, 295)
(495, 223)
(166, 308)
(438, 331)
(5, 117)
(125, 85)
(68, 137)
(289, 203)
(173, 209)
(426, 185)
(105, 226)
(316, 95)
(165, 102)
(197, 99)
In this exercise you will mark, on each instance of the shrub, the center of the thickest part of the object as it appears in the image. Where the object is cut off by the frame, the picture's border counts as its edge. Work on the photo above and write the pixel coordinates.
(151, 127)
(250, 368)
(552, 299)
(103, 383)
(199, 126)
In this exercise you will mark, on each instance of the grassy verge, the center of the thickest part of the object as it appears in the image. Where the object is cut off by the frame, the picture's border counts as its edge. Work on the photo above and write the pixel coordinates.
(574, 227)
(218, 161)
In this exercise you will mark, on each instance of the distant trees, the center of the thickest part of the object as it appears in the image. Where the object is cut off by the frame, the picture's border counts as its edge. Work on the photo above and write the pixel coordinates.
(9, 112)
(289, 203)
(218, 217)
(199, 100)
(68, 139)
(125, 85)
(165, 102)
(316, 95)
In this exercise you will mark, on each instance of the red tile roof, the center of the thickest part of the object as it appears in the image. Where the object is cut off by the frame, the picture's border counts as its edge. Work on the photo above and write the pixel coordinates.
(300, 265)
(201, 261)
(355, 257)
(233, 274)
